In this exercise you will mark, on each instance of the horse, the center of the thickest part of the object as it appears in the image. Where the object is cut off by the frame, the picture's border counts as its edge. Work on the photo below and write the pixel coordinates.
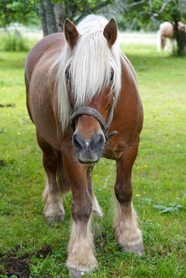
(82, 96)
(167, 30)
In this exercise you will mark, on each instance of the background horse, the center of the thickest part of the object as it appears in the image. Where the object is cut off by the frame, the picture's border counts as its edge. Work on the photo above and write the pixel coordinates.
(83, 99)
(166, 30)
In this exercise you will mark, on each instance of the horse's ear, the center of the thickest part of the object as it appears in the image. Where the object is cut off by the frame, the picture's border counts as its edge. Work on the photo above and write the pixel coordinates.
(71, 33)
(111, 31)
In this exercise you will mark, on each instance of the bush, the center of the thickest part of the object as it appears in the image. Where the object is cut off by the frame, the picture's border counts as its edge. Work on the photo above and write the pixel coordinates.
(13, 43)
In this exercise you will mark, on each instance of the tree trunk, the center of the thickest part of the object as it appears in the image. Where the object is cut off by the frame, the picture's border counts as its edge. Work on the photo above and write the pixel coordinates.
(60, 15)
(47, 17)
(180, 36)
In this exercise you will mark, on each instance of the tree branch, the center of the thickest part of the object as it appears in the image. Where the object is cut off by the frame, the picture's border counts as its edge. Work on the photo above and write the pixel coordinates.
(153, 15)
(92, 10)
(163, 6)
(135, 3)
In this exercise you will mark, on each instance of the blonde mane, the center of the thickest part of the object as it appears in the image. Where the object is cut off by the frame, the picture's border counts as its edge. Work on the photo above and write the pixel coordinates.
(90, 63)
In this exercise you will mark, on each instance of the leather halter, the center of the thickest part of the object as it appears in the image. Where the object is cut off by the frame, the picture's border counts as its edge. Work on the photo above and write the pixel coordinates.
(86, 110)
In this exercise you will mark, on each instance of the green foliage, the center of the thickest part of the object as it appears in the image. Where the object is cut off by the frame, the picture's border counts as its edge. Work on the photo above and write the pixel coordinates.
(23, 11)
(17, 11)
(12, 43)
(77, 9)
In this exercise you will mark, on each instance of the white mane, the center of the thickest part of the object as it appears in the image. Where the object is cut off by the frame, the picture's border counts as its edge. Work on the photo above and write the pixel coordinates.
(90, 65)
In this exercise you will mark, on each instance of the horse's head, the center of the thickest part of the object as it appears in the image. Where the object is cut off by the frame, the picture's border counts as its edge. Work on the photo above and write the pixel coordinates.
(91, 88)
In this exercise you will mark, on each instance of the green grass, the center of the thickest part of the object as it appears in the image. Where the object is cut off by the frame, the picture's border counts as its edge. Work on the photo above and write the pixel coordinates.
(159, 177)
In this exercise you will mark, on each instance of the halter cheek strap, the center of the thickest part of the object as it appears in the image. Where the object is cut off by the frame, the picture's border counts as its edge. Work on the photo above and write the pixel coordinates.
(85, 110)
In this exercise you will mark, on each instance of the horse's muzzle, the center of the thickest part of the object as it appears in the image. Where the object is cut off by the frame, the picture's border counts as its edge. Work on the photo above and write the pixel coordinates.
(88, 150)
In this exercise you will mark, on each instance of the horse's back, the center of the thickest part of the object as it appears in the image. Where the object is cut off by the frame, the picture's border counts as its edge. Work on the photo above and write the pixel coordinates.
(48, 44)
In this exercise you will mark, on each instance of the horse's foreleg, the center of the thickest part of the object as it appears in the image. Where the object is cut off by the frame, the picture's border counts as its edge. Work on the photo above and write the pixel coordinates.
(53, 209)
(127, 232)
(81, 245)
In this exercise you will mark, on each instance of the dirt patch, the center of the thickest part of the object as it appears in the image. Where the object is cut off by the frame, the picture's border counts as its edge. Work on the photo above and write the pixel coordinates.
(19, 266)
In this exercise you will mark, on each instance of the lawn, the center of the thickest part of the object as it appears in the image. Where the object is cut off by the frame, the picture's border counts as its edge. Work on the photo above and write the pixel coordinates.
(159, 179)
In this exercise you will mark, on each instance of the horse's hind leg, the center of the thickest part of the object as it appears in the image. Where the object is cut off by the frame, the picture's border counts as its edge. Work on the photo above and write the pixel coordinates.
(53, 208)
(127, 232)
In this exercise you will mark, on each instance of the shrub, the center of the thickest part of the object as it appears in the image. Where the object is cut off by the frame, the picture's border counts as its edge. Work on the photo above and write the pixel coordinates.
(12, 43)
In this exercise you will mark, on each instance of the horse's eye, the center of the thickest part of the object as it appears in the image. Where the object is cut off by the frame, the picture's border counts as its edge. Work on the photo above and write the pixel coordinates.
(112, 76)
(67, 74)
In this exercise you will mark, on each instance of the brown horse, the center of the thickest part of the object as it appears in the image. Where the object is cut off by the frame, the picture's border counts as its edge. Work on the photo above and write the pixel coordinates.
(83, 99)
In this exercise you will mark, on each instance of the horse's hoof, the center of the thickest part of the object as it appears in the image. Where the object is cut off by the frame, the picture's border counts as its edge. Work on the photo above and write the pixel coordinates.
(139, 248)
(76, 273)
(51, 220)
(60, 218)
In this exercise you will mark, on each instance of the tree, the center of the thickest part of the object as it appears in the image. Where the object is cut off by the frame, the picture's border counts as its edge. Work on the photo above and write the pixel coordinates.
(47, 17)
(23, 10)
(75, 10)
(17, 11)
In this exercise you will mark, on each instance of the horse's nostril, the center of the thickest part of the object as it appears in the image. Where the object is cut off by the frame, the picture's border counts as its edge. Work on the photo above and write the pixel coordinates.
(102, 139)
(98, 142)
(76, 142)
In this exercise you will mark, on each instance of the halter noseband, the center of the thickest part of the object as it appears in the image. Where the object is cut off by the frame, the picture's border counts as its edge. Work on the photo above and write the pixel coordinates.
(85, 110)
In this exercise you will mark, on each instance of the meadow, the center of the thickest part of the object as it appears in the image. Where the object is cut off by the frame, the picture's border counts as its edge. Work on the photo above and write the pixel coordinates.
(159, 179)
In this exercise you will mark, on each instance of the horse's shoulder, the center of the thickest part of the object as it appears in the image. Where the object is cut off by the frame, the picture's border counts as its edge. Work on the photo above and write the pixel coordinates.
(49, 43)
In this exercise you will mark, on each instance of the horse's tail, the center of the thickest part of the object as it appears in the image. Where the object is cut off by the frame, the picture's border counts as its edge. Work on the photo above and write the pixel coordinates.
(62, 177)
(163, 42)
(160, 40)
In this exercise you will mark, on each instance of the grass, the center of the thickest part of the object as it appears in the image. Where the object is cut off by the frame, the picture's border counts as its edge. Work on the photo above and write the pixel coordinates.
(158, 176)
